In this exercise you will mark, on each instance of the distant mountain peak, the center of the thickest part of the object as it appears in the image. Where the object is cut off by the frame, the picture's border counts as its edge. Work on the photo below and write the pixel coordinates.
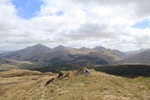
(84, 48)
(29, 53)
(39, 45)
(60, 47)
(99, 48)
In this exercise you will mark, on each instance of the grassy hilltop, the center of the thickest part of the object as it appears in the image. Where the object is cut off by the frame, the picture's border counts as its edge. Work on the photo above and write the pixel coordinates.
(34, 85)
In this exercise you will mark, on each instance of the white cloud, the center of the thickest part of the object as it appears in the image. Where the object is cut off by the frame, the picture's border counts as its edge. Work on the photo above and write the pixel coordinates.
(83, 23)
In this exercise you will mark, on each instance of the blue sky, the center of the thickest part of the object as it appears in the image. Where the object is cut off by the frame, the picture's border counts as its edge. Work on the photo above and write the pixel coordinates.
(142, 25)
(27, 8)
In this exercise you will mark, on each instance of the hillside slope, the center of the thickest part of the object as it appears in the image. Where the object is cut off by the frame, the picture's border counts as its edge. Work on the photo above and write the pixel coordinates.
(115, 54)
(3, 61)
(142, 57)
(63, 57)
(72, 86)
(30, 53)
(9, 64)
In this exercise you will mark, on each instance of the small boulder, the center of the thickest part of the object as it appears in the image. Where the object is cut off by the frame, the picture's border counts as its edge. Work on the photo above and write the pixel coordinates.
(64, 74)
(84, 71)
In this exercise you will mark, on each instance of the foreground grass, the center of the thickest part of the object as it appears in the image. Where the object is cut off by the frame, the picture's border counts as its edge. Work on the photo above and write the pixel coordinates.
(99, 86)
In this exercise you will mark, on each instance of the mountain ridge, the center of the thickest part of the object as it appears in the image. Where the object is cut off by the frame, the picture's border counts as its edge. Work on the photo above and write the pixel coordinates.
(62, 54)
(82, 56)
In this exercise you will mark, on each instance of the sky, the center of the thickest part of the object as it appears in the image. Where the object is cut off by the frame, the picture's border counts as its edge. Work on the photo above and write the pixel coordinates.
(114, 24)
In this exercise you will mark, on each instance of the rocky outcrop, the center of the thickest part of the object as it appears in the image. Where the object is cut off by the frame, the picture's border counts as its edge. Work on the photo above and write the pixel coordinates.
(84, 71)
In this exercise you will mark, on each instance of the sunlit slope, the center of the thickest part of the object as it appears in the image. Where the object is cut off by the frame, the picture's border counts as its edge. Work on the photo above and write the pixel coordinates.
(72, 85)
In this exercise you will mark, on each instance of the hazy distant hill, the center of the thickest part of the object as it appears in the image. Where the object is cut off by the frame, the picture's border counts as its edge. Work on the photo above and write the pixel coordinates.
(3, 61)
(120, 54)
(2, 51)
(30, 53)
(114, 54)
(142, 56)
(71, 50)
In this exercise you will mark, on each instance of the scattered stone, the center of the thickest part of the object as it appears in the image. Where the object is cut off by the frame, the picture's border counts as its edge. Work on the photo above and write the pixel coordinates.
(64, 74)
(63, 92)
(80, 84)
(49, 81)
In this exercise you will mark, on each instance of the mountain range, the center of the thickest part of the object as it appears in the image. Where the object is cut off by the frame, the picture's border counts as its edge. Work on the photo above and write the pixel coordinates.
(82, 56)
